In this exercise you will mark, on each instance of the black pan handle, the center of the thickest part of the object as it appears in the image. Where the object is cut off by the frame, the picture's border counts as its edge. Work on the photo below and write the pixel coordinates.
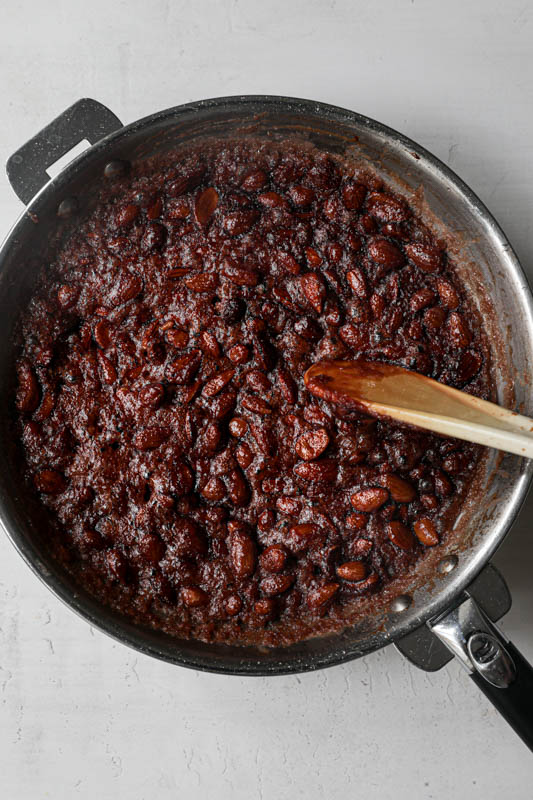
(495, 665)
(515, 701)
(86, 119)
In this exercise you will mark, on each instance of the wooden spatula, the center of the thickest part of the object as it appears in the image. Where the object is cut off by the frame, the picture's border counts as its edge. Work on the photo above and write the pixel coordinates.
(385, 390)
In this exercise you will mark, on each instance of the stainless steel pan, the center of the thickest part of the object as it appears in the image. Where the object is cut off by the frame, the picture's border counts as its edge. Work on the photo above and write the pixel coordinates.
(449, 604)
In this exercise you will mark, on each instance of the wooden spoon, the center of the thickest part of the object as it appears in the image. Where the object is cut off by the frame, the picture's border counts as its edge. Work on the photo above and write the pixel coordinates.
(385, 390)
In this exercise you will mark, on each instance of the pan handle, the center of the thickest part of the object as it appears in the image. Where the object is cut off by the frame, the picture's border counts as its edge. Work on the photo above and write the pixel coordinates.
(495, 665)
(85, 119)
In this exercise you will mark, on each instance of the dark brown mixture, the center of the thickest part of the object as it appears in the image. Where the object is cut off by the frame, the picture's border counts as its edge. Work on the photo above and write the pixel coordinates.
(193, 481)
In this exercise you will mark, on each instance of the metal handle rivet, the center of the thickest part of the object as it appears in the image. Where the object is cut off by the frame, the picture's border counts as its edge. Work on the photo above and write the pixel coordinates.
(67, 207)
(401, 603)
(115, 169)
(447, 564)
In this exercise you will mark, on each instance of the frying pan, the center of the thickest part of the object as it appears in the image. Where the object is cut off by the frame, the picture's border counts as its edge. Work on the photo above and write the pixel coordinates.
(449, 604)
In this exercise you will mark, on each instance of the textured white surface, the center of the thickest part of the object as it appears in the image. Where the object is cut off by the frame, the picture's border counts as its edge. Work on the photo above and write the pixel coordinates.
(84, 717)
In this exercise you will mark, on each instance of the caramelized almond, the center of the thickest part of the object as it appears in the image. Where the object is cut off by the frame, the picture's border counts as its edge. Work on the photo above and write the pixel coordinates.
(312, 444)
(321, 596)
(401, 490)
(193, 597)
(369, 499)
(425, 532)
(205, 204)
(201, 282)
(352, 571)
(400, 535)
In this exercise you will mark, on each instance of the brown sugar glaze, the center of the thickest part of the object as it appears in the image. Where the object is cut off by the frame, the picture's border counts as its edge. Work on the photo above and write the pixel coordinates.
(191, 480)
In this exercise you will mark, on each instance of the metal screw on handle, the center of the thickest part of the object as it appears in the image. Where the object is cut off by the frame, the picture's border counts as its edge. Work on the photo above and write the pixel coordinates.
(85, 119)
(491, 660)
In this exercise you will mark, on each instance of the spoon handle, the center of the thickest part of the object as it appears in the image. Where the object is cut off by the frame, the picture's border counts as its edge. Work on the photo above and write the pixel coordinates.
(492, 435)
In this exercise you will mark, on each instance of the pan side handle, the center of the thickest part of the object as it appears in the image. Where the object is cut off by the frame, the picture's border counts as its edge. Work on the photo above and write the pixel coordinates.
(85, 119)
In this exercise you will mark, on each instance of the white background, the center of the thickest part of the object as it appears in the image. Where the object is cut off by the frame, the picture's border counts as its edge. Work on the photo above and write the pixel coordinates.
(84, 717)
